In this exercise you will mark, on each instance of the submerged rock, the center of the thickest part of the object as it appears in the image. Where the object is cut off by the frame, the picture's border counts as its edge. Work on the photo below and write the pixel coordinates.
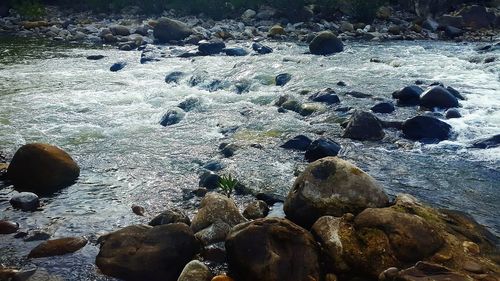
(42, 168)
(408, 96)
(299, 142)
(209, 180)
(489, 142)
(211, 47)
(170, 216)
(95, 57)
(364, 126)
(261, 49)
(452, 113)
(426, 127)
(326, 43)
(117, 66)
(235, 52)
(142, 252)
(172, 116)
(332, 186)
(282, 79)
(431, 272)
(272, 249)
(438, 96)
(58, 247)
(327, 96)
(174, 77)
(383, 107)
(26, 201)
(171, 30)
(321, 148)
(189, 103)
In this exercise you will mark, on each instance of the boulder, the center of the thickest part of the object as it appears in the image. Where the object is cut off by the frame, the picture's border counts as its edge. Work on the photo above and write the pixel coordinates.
(58, 247)
(383, 107)
(282, 79)
(172, 116)
(235, 52)
(215, 233)
(299, 142)
(327, 96)
(174, 77)
(364, 126)
(167, 30)
(477, 17)
(95, 57)
(489, 142)
(438, 96)
(189, 103)
(213, 207)
(321, 148)
(272, 249)
(261, 49)
(8, 227)
(140, 252)
(332, 186)
(453, 32)
(426, 127)
(26, 201)
(430, 24)
(455, 93)
(451, 20)
(256, 210)
(408, 96)
(42, 168)
(195, 271)
(120, 30)
(211, 47)
(430, 272)
(452, 113)
(326, 43)
(209, 180)
(170, 216)
(270, 198)
(117, 66)
(276, 30)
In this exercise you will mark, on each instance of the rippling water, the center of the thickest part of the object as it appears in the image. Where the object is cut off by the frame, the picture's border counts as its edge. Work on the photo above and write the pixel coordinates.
(109, 123)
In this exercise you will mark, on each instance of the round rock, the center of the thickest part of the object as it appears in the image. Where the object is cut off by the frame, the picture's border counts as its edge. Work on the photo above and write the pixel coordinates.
(26, 201)
(326, 43)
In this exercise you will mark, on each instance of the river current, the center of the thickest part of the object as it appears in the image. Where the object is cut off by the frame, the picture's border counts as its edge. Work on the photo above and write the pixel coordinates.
(109, 123)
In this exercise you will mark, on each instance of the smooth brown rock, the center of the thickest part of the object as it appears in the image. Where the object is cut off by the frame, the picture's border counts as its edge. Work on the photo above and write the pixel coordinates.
(138, 210)
(8, 227)
(222, 278)
(256, 210)
(170, 216)
(166, 30)
(214, 207)
(195, 271)
(272, 249)
(58, 247)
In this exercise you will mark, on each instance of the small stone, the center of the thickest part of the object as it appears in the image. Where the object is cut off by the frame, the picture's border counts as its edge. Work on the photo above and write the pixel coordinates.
(256, 210)
(26, 201)
(138, 210)
(8, 227)
(473, 267)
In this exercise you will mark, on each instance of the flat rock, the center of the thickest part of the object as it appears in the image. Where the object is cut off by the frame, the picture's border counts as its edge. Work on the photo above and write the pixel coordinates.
(58, 247)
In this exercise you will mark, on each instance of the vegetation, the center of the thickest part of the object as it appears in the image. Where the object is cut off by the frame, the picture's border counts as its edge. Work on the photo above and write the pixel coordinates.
(227, 183)
(29, 9)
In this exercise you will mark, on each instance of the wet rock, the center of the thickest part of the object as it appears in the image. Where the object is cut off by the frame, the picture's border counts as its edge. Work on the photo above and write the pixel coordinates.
(431, 272)
(248, 15)
(58, 247)
(452, 113)
(383, 107)
(120, 30)
(455, 93)
(142, 30)
(299, 142)
(170, 216)
(172, 116)
(256, 210)
(438, 96)
(261, 49)
(358, 95)
(189, 104)
(364, 126)
(171, 30)
(209, 180)
(216, 207)
(26, 201)
(453, 32)
(408, 96)
(265, 250)
(426, 127)
(451, 20)
(346, 26)
(42, 168)
(211, 47)
(213, 166)
(174, 77)
(270, 198)
(321, 148)
(37, 274)
(276, 30)
(109, 38)
(325, 43)
(341, 84)
(327, 96)
(216, 232)
(235, 52)
(228, 150)
(95, 57)
(195, 271)
(117, 66)
(473, 267)
(431, 25)
(37, 235)
(150, 53)
(477, 17)
(8, 227)
(141, 252)
(222, 278)
(332, 186)
(138, 210)
(282, 79)
(489, 142)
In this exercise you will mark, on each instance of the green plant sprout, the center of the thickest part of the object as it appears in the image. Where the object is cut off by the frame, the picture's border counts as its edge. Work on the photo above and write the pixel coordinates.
(227, 183)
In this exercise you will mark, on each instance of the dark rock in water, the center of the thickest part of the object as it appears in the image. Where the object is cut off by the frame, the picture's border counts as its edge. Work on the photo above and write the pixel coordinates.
(326, 43)
(25, 201)
(213, 166)
(453, 32)
(364, 126)
(332, 186)
(426, 127)
(299, 142)
(95, 57)
(408, 96)
(211, 47)
(117, 66)
(150, 54)
(195, 271)
(437, 83)
(42, 168)
(120, 30)
(321, 148)
(138, 210)
(327, 96)
(171, 30)
(8, 227)
(228, 150)
(282, 79)
(358, 95)
(267, 249)
(209, 180)
(235, 52)
(452, 113)
(341, 84)
(172, 116)
(391, 124)
(256, 210)
(270, 198)
(142, 30)
(490, 142)
(170, 216)
(190, 54)
(438, 96)
(58, 247)
(477, 17)
(37, 235)
(189, 104)
(430, 24)
(383, 107)
(261, 49)
(174, 77)
(419, 82)
(455, 93)
(141, 252)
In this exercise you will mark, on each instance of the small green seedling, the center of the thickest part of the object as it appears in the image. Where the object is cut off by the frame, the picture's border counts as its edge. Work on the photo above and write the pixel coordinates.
(227, 183)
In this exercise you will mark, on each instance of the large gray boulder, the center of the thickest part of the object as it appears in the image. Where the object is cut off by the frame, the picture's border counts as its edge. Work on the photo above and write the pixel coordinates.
(326, 43)
(332, 186)
(364, 126)
(167, 30)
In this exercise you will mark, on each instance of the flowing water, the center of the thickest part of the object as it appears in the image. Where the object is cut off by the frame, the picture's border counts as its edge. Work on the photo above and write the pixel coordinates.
(109, 122)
